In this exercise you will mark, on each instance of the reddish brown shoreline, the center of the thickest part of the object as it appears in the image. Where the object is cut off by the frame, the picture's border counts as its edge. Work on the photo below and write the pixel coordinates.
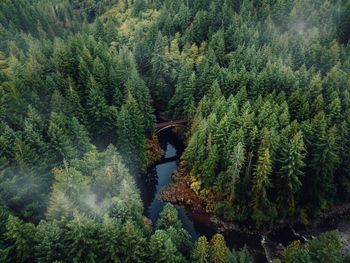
(179, 192)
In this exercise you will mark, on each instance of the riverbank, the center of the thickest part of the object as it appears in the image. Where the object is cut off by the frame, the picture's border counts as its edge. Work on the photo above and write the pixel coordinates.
(263, 244)
(275, 239)
(180, 192)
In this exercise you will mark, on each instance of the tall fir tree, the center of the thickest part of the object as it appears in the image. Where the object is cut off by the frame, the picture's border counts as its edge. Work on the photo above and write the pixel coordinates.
(131, 140)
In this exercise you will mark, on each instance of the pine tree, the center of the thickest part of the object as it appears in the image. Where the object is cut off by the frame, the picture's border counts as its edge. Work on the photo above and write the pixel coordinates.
(218, 251)
(20, 238)
(261, 183)
(209, 165)
(131, 140)
(195, 152)
(208, 71)
(83, 77)
(136, 86)
(59, 136)
(182, 240)
(168, 217)
(343, 172)
(323, 162)
(62, 59)
(110, 238)
(99, 73)
(262, 171)
(218, 45)
(139, 6)
(235, 167)
(81, 233)
(292, 163)
(241, 256)
(79, 137)
(111, 33)
(72, 104)
(183, 99)
(326, 248)
(98, 30)
(34, 136)
(24, 155)
(344, 23)
(335, 109)
(101, 116)
(67, 191)
(133, 240)
(162, 249)
(295, 253)
(49, 242)
(199, 27)
(200, 253)
(115, 90)
(4, 214)
(161, 90)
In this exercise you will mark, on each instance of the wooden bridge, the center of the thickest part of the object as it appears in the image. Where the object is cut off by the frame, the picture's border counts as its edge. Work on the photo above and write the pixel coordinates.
(169, 124)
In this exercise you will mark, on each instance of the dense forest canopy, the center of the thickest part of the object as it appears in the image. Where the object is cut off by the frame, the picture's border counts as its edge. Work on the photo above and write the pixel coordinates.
(264, 85)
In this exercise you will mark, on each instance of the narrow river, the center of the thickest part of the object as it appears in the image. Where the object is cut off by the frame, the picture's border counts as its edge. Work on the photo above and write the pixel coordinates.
(159, 176)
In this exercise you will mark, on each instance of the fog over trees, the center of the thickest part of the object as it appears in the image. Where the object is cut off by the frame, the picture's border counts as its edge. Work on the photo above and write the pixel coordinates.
(263, 85)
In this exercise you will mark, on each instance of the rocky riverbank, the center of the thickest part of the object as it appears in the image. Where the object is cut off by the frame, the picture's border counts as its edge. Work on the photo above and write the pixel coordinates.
(273, 240)
(179, 192)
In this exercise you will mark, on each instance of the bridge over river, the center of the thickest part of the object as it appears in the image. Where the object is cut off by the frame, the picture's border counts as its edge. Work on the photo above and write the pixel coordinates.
(161, 126)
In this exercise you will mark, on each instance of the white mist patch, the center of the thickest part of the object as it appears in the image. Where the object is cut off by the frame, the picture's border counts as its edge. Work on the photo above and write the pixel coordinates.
(90, 200)
(125, 190)
(298, 27)
(301, 29)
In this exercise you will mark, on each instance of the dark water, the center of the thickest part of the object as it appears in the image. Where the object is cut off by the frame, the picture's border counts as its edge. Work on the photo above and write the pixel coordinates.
(159, 176)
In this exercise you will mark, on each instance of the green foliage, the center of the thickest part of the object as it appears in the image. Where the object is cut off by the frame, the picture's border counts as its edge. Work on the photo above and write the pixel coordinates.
(326, 248)
(260, 184)
(104, 116)
(168, 218)
(241, 256)
(3, 220)
(295, 253)
(218, 251)
(168, 221)
(292, 163)
(59, 136)
(49, 242)
(130, 132)
(182, 103)
(344, 23)
(263, 84)
(138, 6)
(200, 253)
(162, 249)
(235, 166)
(20, 239)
